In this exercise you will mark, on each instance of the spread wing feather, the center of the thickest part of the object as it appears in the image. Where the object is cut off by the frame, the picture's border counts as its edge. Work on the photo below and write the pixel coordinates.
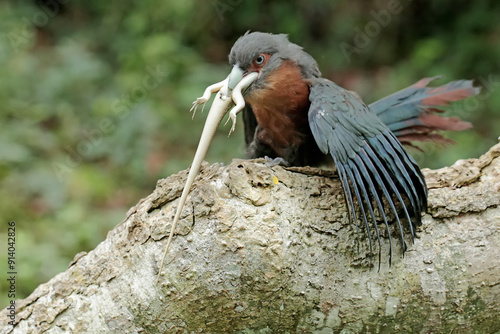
(374, 169)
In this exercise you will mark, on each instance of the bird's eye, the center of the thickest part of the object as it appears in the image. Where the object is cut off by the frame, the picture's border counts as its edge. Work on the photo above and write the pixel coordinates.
(259, 60)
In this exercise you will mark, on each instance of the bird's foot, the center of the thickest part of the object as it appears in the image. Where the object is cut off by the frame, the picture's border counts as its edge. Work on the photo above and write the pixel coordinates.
(270, 162)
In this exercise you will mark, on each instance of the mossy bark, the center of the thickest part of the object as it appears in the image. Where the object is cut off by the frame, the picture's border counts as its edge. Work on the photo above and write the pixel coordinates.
(270, 250)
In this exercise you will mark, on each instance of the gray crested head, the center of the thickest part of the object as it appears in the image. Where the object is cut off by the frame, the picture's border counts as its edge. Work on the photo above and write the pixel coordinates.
(252, 44)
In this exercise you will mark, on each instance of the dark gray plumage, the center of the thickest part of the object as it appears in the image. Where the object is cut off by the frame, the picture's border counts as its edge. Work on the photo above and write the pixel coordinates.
(250, 45)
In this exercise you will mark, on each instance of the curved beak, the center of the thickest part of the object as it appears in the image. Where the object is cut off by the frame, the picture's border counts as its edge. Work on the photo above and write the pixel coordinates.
(235, 77)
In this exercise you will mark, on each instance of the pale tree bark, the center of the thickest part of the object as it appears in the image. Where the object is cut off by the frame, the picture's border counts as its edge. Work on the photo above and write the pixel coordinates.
(270, 250)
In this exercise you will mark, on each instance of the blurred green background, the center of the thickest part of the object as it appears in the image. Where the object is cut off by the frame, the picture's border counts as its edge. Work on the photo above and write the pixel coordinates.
(94, 97)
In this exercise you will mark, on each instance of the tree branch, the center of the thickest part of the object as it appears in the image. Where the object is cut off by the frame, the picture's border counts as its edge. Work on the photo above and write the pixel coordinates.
(271, 249)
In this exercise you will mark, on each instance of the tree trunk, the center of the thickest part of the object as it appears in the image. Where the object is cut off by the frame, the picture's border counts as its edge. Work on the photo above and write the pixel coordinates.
(270, 250)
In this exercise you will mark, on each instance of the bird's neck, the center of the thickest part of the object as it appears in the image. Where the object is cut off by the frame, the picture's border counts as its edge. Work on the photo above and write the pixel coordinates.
(281, 106)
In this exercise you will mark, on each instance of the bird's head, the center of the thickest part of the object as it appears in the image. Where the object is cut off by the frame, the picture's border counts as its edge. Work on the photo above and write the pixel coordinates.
(263, 53)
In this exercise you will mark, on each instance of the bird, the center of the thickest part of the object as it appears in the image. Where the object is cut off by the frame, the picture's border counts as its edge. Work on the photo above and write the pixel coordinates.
(292, 113)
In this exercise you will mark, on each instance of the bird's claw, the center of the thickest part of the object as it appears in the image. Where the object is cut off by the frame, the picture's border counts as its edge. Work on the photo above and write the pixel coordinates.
(278, 161)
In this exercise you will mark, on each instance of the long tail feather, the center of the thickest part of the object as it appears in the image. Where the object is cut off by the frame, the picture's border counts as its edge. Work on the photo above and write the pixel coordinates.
(411, 113)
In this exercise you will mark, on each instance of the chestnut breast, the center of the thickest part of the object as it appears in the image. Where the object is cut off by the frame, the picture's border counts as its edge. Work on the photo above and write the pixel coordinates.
(281, 107)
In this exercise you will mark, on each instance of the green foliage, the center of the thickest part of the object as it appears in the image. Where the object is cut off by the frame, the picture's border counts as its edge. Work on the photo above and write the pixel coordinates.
(94, 97)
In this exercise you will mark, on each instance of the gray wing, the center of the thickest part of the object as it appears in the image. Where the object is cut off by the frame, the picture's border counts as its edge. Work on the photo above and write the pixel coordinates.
(371, 163)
